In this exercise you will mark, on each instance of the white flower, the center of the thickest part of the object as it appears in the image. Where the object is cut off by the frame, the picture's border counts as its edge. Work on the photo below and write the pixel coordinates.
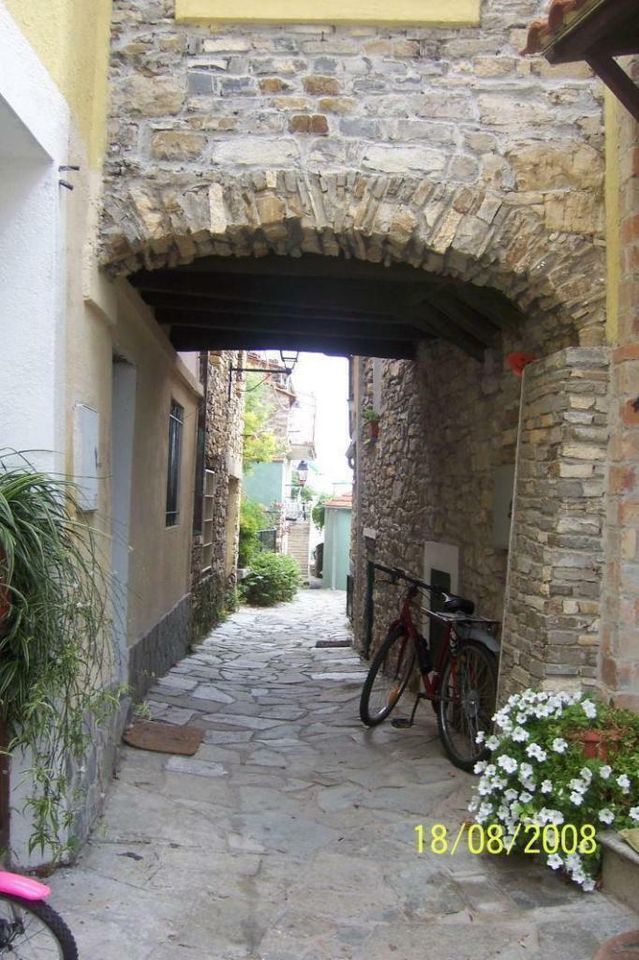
(529, 785)
(588, 885)
(511, 795)
(634, 813)
(554, 862)
(556, 817)
(578, 785)
(525, 771)
(485, 787)
(490, 770)
(606, 815)
(521, 717)
(520, 735)
(525, 797)
(481, 736)
(473, 805)
(577, 798)
(605, 771)
(586, 774)
(546, 786)
(624, 782)
(480, 766)
(493, 742)
(589, 709)
(559, 745)
(534, 750)
(509, 764)
(485, 811)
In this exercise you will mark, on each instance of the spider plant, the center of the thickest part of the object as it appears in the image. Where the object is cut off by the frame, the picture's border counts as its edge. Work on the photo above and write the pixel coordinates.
(55, 664)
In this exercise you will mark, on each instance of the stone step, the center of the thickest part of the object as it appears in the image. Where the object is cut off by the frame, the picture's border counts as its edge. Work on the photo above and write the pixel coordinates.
(620, 869)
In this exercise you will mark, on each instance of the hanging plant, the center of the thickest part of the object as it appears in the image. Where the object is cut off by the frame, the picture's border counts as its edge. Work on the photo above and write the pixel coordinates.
(371, 418)
(55, 649)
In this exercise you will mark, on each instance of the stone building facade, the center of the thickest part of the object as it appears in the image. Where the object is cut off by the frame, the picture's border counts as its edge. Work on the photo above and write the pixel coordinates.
(433, 147)
(217, 518)
(620, 621)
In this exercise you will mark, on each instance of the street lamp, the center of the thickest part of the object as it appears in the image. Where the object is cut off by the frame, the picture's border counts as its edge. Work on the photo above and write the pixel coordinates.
(302, 472)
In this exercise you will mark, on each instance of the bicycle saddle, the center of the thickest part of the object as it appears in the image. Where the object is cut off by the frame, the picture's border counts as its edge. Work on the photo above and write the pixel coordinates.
(453, 604)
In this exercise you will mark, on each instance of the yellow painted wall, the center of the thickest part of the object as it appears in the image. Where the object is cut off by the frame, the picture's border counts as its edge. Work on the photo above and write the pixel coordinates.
(71, 38)
(416, 12)
(613, 219)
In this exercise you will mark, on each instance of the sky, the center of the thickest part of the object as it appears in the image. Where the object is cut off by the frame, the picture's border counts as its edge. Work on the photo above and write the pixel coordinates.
(327, 378)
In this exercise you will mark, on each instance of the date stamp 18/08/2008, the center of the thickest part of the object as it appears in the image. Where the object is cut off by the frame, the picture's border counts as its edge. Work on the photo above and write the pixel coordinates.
(492, 839)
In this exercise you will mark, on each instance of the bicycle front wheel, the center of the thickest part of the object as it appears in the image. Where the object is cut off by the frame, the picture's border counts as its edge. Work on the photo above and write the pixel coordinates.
(31, 930)
(387, 678)
(467, 703)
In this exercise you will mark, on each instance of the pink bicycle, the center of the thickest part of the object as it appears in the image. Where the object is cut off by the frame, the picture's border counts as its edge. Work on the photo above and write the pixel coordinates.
(29, 928)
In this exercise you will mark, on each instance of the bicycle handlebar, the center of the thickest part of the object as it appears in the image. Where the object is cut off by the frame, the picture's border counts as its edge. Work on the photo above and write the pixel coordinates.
(397, 573)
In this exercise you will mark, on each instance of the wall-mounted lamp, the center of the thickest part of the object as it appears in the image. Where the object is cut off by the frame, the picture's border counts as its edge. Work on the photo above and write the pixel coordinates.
(289, 359)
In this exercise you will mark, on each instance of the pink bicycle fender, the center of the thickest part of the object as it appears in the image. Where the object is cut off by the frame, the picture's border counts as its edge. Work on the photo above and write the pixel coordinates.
(25, 887)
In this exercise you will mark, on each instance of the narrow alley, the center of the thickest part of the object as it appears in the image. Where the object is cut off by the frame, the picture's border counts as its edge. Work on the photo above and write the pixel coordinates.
(290, 835)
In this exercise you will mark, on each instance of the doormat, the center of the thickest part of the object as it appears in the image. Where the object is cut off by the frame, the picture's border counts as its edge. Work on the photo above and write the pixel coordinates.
(333, 643)
(163, 737)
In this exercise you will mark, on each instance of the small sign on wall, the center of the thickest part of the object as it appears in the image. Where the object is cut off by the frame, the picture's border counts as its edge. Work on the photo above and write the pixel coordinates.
(86, 431)
(503, 491)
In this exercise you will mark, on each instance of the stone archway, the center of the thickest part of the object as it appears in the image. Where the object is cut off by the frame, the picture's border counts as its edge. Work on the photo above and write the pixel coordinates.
(479, 237)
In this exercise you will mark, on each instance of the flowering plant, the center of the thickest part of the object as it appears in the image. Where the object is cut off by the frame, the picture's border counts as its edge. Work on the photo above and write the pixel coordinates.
(537, 776)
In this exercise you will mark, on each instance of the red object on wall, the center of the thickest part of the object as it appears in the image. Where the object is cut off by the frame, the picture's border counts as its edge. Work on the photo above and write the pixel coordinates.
(517, 361)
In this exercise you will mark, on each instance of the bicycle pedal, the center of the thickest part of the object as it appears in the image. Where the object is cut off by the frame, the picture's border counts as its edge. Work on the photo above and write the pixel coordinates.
(402, 722)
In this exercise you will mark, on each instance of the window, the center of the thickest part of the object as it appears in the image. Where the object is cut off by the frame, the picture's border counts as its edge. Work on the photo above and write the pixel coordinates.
(176, 422)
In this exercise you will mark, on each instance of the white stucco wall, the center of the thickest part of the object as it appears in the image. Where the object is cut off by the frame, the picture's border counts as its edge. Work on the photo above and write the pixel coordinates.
(34, 133)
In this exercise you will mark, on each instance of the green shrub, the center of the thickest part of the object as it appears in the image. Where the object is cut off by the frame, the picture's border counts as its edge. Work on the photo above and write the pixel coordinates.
(253, 518)
(274, 578)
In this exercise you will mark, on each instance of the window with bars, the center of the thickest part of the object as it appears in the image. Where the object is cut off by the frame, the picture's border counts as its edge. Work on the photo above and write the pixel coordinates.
(176, 423)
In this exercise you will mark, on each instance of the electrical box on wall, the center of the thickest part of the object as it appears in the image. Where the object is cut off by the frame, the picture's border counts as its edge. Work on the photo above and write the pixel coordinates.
(86, 430)
(503, 491)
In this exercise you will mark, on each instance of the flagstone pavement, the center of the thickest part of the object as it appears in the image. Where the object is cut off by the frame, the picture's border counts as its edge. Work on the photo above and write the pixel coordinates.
(290, 835)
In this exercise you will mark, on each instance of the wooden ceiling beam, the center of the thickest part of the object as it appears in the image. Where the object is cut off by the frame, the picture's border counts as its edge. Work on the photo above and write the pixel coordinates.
(340, 294)
(436, 324)
(492, 304)
(187, 338)
(315, 266)
(289, 325)
(464, 317)
(213, 306)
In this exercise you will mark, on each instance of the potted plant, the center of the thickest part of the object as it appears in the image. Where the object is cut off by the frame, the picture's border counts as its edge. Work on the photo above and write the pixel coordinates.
(372, 418)
(549, 787)
(55, 651)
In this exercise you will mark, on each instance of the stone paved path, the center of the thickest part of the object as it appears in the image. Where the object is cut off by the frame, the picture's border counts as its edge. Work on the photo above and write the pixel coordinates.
(290, 834)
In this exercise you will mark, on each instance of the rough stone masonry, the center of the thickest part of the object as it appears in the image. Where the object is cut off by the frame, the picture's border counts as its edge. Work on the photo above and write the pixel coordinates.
(439, 148)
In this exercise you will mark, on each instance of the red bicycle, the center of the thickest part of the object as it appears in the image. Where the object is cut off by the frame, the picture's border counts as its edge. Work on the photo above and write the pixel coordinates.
(461, 682)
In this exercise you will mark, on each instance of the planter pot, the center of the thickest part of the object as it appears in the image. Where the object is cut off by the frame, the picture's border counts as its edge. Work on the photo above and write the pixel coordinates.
(597, 744)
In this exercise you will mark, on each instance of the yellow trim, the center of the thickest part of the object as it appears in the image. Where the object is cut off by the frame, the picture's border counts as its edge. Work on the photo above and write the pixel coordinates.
(613, 218)
(432, 13)
(71, 39)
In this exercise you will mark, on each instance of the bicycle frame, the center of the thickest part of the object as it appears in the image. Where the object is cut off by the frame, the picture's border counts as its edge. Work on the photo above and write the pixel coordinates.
(430, 672)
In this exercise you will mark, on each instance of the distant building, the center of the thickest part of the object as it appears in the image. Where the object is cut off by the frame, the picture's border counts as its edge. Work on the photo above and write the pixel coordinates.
(277, 484)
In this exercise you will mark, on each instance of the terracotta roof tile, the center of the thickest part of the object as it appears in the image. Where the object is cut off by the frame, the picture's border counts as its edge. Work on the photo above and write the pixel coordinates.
(540, 32)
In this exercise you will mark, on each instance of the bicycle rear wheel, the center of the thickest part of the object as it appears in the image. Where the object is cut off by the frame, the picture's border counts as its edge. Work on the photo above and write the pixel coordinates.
(387, 678)
(467, 703)
(31, 930)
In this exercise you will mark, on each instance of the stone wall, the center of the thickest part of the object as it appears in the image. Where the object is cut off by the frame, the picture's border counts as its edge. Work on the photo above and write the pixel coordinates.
(213, 591)
(620, 628)
(447, 425)
(551, 622)
(441, 148)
